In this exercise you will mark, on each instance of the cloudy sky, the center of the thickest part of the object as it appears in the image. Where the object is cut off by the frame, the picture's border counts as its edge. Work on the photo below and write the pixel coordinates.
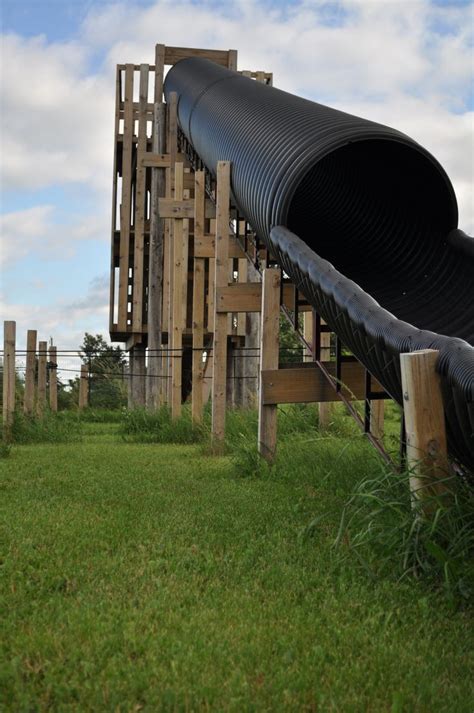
(406, 63)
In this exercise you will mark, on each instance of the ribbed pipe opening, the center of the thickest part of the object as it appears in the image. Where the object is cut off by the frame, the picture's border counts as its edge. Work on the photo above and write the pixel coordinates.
(381, 212)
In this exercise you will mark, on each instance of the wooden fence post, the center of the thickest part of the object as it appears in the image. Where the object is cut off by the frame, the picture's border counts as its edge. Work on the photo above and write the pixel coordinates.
(221, 279)
(269, 346)
(425, 427)
(9, 339)
(29, 400)
(53, 378)
(84, 387)
(198, 302)
(42, 374)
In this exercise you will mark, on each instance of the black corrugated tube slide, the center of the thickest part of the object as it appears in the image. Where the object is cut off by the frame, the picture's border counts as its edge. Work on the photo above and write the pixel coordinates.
(351, 193)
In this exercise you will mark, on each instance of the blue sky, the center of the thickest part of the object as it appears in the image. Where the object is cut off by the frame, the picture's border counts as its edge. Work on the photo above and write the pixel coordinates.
(407, 63)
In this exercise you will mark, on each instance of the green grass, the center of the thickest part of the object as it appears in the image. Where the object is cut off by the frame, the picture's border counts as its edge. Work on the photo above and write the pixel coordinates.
(154, 577)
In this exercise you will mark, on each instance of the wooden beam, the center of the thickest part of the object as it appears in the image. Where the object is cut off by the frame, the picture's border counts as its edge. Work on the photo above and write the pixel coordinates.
(269, 346)
(84, 387)
(174, 208)
(425, 425)
(219, 371)
(307, 384)
(205, 246)
(159, 69)
(30, 371)
(377, 418)
(147, 159)
(140, 203)
(126, 202)
(239, 297)
(179, 275)
(9, 377)
(175, 54)
(53, 378)
(156, 266)
(198, 301)
(42, 374)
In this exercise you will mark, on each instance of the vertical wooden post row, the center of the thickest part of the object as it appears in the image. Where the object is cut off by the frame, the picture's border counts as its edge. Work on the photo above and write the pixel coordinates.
(9, 340)
(42, 377)
(269, 347)
(198, 302)
(424, 422)
(53, 378)
(221, 278)
(30, 372)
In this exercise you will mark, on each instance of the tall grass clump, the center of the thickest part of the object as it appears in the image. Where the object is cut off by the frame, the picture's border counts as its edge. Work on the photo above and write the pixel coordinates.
(48, 428)
(390, 536)
(142, 426)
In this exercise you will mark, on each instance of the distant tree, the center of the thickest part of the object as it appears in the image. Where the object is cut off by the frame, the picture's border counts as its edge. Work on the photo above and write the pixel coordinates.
(107, 367)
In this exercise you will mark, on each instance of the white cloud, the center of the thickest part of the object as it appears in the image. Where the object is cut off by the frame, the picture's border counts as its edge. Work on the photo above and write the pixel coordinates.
(37, 231)
(66, 321)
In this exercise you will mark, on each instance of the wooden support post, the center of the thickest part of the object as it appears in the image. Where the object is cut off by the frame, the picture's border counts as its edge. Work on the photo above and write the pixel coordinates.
(198, 303)
(221, 276)
(140, 207)
(425, 426)
(137, 375)
(53, 378)
(156, 264)
(125, 213)
(269, 345)
(9, 340)
(42, 373)
(325, 410)
(179, 275)
(29, 400)
(84, 387)
(377, 414)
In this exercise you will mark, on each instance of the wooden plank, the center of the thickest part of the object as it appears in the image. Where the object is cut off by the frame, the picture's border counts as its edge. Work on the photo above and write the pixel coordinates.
(29, 399)
(175, 54)
(269, 346)
(241, 316)
(156, 268)
(9, 377)
(205, 246)
(248, 298)
(114, 202)
(198, 302)
(140, 205)
(232, 60)
(53, 378)
(126, 202)
(308, 384)
(325, 410)
(149, 159)
(377, 418)
(173, 208)
(42, 376)
(425, 426)
(239, 297)
(159, 70)
(84, 387)
(219, 371)
(179, 274)
(184, 278)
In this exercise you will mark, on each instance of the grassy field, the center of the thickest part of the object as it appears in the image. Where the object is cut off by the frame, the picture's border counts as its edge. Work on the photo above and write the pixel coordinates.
(155, 577)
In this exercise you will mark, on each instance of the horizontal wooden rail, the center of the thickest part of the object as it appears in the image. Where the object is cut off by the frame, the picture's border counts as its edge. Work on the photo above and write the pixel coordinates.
(307, 384)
